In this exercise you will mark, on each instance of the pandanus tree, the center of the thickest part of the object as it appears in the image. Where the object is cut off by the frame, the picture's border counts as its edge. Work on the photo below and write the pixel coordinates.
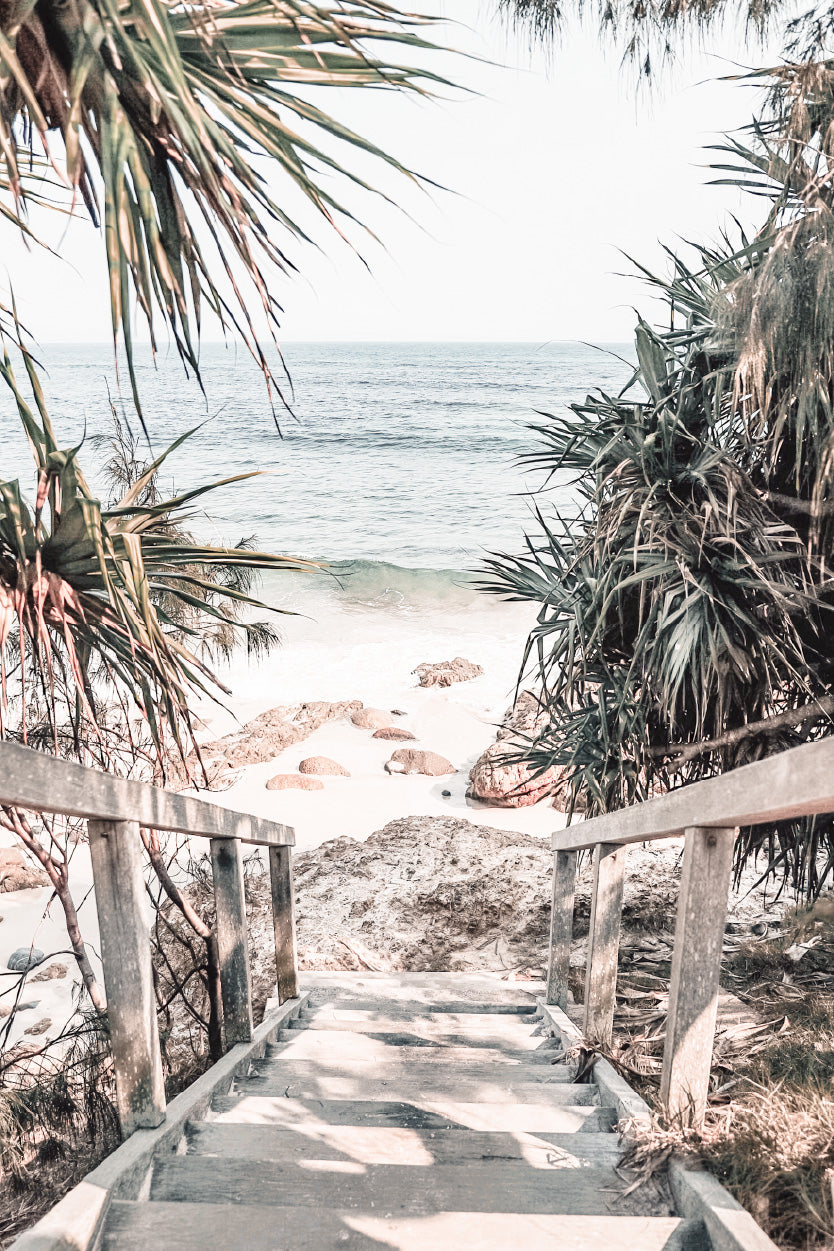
(686, 610)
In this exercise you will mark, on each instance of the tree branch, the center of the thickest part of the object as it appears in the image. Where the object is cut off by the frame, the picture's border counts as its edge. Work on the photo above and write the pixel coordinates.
(684, 752)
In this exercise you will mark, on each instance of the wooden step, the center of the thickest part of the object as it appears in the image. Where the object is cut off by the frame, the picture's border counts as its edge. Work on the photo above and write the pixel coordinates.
(500, 1086)
(415, 1147)
(317, 1043)
(483, 1186)
(434, 988)
(418, 1031)
(542, 1116)
(431, 1015)
(215, 1227)
(398, 1006)
(426, 1033)
(425, 1075)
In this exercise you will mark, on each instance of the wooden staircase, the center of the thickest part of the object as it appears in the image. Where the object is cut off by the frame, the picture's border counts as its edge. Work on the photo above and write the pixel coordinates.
(403, 1112)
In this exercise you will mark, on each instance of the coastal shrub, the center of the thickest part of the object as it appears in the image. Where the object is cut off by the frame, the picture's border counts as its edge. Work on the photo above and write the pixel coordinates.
(685, 600)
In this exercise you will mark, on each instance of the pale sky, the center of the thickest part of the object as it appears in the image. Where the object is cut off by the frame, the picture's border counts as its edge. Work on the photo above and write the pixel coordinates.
(555, 167)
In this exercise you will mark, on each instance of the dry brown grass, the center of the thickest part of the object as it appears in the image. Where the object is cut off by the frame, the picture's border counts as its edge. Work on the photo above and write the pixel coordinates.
(769, 1130)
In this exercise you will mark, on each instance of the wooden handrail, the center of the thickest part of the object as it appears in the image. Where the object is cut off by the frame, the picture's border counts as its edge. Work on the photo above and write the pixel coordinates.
(115, 810)
(795, 783)
(31, 779)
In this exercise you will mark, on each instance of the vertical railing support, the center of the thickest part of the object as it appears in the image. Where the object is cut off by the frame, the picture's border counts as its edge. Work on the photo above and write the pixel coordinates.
(283, 918)
(604, 941)
(696, 967)
(232, 945)
(561, 927)
(124, 929)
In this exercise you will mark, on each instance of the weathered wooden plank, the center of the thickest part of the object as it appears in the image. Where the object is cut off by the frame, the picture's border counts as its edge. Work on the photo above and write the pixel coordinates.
(435, 989)
(43, 783)
(486, 1186)
(232, 940)
(472, 1070)
(330, 1047)
(193, 1227)
(399, 1032)
(512, 1021)
(794, 783)
(387, 1145)
(561, 927)
(604, 941)
(116, 856)
(419, 1009)
(283, 920)
(696, 964)
(510, 1117)
(500, 1088)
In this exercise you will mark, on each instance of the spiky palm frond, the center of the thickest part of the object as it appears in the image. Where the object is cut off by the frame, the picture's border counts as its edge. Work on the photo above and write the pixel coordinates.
(86, 586)
(177, 116)
(679, 602)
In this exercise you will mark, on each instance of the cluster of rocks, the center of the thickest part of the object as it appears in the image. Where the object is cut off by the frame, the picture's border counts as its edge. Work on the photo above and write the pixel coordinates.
(499, 778)
(380, 722)
(266, 736)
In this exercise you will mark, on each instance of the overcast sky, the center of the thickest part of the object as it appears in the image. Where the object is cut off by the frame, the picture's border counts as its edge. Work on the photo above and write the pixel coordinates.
(554, 168)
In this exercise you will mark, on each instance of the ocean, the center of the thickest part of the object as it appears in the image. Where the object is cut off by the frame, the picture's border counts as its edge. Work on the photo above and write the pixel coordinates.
(403, 453)
(397, 466)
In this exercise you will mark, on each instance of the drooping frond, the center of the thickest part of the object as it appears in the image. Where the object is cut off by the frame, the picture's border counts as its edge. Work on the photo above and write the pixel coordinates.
(179, 122)
(84, 588)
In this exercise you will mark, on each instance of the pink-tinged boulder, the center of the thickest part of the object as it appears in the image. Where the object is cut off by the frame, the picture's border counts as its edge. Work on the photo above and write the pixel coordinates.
(447, 672)
(371, 719)
(294, 782)
(324, 766)
(16, 873)
(394, 733)
(504, 785)
(500, 784)
(412, 760)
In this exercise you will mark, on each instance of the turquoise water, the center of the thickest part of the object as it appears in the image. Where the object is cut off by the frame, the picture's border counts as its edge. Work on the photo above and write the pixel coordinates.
(403, 454)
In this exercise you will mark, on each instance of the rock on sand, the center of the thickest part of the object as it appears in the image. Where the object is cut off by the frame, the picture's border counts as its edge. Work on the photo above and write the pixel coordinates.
(323, 765)
(447, 672)
(371, 719)
(395, 733)
(411, 760)
(294, 782)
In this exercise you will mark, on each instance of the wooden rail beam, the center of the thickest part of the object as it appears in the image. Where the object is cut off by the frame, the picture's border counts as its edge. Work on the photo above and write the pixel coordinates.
(116, 855)
(232, 946)
(283, 918)
(604, 941)
(30, 779)
(561, 927)
(794, 783)
(696, 965)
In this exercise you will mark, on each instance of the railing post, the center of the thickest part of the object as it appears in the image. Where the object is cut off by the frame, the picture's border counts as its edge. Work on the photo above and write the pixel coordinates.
(283, 918)
(124, 929)
(604, 941)
(561, 927)
(232, 940)
(696, 968)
